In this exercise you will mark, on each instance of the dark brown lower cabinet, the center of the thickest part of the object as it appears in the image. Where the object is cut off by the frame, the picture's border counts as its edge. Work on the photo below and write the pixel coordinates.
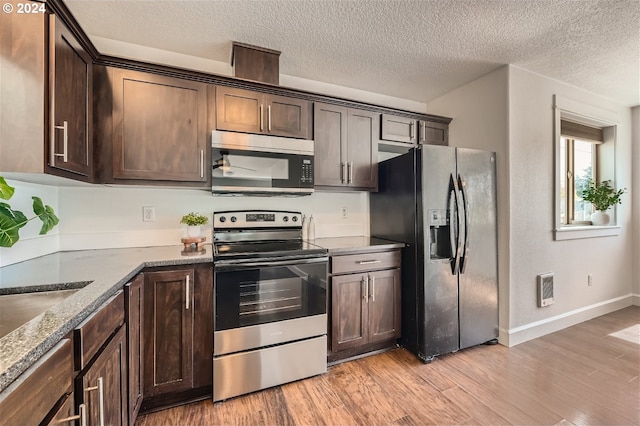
(134, 311)
(31, 399)
(102, 387)
(177, 335)
(365, 305)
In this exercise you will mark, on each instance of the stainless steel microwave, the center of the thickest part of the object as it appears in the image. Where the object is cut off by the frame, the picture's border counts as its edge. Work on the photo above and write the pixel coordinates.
(248, 164)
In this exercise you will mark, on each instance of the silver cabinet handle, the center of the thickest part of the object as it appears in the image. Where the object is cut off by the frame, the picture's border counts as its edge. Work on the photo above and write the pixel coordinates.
(343, 171)
(350, 174)
(372, 283)
(100, 388)
(261, 118)
(365, 288)
(65, 143)
(187, 292)
(368, 262)
(411, 130)
(423, 135)
(82, 416)
(269, 118)
(202, 163)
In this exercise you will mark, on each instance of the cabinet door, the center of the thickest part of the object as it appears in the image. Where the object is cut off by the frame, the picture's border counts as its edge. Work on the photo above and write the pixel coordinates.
(103, 386)
(434, 133)
(362, 170)
(349, 326)
(134, 317)
(168, 331)
(330, 141)
(288, 117)
(22, 91)
(399, 129)
(239, 110)
(159, 128)
(70, 108)
(384, 305)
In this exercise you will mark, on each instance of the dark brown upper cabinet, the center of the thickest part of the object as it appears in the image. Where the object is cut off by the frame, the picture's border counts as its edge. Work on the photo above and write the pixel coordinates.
(346, 147)
(247, 111)
(434, 133)
(70, 76)
(399, 129)
(159, 127)
(45, 92)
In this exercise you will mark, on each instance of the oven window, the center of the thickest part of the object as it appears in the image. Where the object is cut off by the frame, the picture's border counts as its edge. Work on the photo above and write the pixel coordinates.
(258, 295)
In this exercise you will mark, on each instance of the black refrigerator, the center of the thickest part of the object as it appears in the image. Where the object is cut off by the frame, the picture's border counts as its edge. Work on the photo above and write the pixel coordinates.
(441, 202)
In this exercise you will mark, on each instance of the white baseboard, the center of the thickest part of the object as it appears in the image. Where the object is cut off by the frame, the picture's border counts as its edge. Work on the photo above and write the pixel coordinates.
(536, 329)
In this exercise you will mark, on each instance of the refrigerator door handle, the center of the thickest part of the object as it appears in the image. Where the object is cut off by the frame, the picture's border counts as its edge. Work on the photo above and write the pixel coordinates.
(465, 202)
(454, 227)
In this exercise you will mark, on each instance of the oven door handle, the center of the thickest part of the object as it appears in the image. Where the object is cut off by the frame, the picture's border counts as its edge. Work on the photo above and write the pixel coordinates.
(266, 263)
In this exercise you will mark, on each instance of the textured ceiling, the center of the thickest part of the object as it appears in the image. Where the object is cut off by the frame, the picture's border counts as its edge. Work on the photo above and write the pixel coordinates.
(411, 49)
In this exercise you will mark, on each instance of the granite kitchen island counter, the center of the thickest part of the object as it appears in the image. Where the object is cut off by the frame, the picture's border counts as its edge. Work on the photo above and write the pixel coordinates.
(98, 274)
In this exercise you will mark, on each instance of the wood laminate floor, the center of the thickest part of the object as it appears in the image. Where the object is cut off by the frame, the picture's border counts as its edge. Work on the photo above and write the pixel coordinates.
(581, 375)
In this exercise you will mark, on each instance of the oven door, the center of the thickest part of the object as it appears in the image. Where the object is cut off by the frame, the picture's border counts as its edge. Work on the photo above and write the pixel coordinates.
(264, 303)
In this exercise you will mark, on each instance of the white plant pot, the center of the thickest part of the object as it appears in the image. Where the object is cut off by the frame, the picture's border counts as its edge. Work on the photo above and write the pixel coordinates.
(600, 218)
(193, 231)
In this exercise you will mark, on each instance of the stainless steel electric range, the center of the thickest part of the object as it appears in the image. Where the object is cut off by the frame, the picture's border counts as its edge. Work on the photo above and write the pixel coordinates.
(270, 302)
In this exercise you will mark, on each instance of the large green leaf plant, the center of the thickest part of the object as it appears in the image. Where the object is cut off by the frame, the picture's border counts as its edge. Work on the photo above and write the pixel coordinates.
(12, 220)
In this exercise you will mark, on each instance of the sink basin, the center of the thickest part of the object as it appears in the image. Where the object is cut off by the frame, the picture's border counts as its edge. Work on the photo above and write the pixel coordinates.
(18, 309)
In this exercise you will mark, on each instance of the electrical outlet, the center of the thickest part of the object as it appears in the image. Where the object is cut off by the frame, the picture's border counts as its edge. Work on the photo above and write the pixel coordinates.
(148, 214)
(589, 279)
(343, 212)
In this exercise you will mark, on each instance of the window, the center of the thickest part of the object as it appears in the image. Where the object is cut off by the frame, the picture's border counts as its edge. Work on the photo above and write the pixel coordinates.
(578, 165)
(585, 139)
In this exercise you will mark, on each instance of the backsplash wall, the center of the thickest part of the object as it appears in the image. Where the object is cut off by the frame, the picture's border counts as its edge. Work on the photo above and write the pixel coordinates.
(101, 216)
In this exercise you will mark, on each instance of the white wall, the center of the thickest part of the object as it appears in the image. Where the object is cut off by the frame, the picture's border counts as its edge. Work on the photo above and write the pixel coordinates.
(105, 217)
(635, 195)
(533, 249)
(480, 120)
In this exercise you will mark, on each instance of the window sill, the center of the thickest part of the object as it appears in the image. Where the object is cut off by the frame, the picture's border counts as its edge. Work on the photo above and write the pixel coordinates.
(585, 231)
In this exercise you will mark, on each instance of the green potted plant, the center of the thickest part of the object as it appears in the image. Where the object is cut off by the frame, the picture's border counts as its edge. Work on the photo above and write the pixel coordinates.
(12, 220)
(194, 221)
(601, 196)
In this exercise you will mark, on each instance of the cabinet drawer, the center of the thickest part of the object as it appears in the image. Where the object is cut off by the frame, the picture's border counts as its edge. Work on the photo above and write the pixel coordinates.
(94, 332)
(365, 262)
(28, 400)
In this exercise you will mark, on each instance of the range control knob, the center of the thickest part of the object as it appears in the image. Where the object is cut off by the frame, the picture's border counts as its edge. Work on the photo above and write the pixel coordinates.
(285, 218)
(234, 219)
(223, 219)
(295, 218)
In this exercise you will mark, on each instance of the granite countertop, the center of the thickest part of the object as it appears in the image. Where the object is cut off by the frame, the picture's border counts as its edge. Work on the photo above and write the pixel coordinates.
(97, 273)
(349, 245)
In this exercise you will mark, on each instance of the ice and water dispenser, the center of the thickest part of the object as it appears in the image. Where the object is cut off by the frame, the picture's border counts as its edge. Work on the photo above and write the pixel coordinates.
(439, 236)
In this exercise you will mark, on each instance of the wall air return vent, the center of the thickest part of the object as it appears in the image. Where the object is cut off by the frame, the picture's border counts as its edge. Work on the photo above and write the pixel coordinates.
(545, 289)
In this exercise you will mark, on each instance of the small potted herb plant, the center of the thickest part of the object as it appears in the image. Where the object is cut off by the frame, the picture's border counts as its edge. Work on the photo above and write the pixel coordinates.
(194, 221)
(601, 196)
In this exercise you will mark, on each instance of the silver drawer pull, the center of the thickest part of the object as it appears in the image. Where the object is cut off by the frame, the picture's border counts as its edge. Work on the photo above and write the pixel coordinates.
(372, 282)
(100, 388)
(187, 296)
(82, 417)
(368, 262)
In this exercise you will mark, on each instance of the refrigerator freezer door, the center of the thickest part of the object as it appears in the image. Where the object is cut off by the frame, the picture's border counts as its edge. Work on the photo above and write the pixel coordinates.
(478, 283)
(438, 291)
